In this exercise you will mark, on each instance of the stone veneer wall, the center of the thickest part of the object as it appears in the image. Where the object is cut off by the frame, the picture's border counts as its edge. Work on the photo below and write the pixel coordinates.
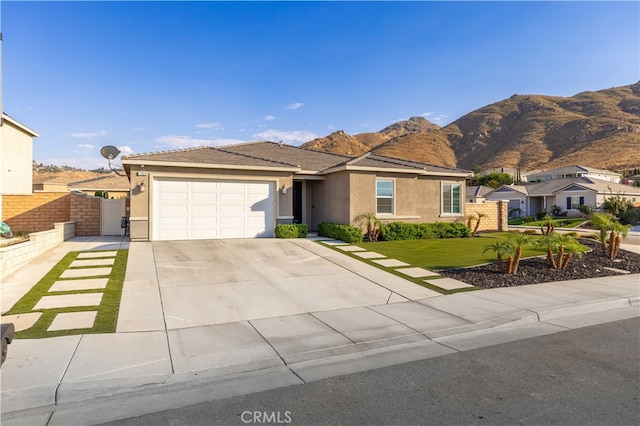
(16, 256)
(497, 215)
(39, 211)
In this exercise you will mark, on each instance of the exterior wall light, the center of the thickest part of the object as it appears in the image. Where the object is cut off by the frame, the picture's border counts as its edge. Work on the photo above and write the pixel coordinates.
(141, 187)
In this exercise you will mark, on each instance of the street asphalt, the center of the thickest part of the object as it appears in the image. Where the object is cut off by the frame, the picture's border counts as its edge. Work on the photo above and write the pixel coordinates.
(251, 324)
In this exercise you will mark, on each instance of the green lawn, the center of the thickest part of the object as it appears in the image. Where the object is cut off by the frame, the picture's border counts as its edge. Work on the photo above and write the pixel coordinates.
(558, 223)
(107, 312)
(444, 253)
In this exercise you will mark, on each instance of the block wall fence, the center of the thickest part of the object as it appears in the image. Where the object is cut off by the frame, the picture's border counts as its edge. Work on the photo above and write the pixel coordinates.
(496, 215)
(41, 210)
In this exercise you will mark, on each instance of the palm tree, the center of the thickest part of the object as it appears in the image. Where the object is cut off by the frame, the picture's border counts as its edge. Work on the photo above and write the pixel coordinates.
(549, 243)
(603, 222)
(567, 247)
(501, 249)
(373, 225)
(618, 233)
(606, 222)
(517, 240)
(478, 219)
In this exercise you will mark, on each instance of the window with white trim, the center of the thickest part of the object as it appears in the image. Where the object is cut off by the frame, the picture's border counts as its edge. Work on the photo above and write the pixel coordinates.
(384, 196)
(451, 198)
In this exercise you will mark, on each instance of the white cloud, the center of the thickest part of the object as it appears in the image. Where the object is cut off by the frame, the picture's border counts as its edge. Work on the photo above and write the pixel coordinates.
(288, 136)
(294, 105)
(125, 150)
(86, 146)
(141, 129)
(88, 134)
(214, 126)
(438, 119)
(183, 142)
(270, 117)
(331, 127)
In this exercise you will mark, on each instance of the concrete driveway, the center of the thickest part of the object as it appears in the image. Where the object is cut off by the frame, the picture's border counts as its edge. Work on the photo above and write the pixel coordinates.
(220, 281)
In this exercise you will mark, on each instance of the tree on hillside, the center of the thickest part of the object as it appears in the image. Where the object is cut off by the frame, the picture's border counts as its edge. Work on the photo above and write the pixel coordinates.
(495, 179)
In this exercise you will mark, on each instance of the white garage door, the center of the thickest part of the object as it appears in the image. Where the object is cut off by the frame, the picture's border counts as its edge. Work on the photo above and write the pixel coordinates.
(205, 209)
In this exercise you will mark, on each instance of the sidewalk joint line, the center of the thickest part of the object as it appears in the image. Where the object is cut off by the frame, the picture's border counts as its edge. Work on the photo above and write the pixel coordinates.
(337, 331)
(66, 369)
(164, 316)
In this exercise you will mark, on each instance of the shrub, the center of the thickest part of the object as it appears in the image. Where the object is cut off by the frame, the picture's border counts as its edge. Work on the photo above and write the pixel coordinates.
(530, 232)
(395, 231)
(292, 230)
(556, 210)
(348, 234)
(542, 214)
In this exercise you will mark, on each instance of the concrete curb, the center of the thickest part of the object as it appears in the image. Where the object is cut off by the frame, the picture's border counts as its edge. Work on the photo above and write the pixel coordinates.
(69, 402)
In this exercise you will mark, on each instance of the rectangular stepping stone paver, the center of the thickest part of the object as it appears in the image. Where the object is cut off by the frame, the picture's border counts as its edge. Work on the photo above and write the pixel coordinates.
(334, 243)
(73, 320)
(92, 254)
(72, 285)
(92, 262)
(351, 248)
(368, 254)
(417, 272)
(448, 283)
(69, 301)
(86, 272)
(390, 263)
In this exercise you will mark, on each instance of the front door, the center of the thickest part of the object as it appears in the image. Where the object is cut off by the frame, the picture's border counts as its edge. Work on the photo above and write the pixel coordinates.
(297, 201)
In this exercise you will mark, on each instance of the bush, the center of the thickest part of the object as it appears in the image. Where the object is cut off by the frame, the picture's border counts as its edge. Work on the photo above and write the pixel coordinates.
(395, 231)
(348, 234)
(542, 214)
(292, 230)
(530, 232)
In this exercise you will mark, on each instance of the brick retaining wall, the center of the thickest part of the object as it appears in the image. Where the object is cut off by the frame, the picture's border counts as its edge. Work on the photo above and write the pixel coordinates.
(39, 211)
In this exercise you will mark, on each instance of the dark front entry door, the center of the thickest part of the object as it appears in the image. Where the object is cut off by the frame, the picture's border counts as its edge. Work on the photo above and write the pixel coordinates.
(297, 201)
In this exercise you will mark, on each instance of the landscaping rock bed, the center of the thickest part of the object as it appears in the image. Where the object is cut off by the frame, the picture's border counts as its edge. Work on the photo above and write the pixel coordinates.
(537, 270)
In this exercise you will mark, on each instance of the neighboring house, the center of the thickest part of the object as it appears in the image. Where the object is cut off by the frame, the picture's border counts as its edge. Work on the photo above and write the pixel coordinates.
(568, 194)
(475, 194)
(116, 186)
(47, 184)
(574, 172)
(16, 157)
(243, 191)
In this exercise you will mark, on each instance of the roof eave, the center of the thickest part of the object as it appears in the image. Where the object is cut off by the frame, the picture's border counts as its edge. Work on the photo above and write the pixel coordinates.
(421, 172)
(131, 162)
(13, 122)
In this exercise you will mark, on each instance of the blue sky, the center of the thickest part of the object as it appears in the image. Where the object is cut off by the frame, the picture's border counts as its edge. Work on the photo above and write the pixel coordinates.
(152, 76)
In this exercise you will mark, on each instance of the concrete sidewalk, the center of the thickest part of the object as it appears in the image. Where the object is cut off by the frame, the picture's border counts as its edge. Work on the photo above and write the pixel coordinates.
(56, 380)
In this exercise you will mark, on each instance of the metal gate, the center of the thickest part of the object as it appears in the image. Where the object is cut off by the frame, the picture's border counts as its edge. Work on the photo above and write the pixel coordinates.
(111, 212)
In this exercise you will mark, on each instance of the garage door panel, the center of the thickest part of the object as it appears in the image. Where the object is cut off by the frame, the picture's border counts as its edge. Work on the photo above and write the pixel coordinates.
(201, 209)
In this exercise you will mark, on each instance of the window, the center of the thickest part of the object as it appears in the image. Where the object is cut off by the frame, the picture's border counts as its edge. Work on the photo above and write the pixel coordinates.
(384, 196)
(451, 198)
(574, 203)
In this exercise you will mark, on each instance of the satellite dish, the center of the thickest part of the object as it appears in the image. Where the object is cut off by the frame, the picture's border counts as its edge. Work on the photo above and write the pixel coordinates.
(109, 152)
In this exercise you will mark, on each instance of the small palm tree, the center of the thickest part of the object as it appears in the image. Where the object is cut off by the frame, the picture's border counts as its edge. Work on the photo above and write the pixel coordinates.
(547, 228)
(618, 233)
(502, 249)
(517, 240)
(479, 217)
(603, 222)
(606, 222)
(373, 225)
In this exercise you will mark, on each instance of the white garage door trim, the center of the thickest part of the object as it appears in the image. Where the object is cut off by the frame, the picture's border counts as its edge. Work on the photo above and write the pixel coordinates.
(197, 209)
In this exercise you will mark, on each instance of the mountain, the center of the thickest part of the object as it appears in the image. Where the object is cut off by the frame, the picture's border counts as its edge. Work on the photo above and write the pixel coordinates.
(598, 129)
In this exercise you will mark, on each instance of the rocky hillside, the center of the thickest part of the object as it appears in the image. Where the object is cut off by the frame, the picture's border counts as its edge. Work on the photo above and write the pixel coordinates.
(598, 129)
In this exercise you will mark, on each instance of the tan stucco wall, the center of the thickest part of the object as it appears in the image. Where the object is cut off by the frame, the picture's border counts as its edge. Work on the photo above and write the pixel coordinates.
(416, 198)
(16, 156)
(140, 214)
(328, 200)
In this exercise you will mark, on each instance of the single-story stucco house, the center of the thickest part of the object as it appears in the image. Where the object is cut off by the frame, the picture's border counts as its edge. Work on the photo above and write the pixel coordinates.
(568, 194)
(575, 171)
(244, 190)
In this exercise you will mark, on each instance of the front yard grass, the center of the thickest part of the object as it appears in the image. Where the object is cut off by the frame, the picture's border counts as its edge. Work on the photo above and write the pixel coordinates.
(445, 253)
(561, 222)
(107, 311)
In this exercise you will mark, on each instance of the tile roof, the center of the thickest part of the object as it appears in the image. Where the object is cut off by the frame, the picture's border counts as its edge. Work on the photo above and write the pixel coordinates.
(108, 182)
(271, 154)
(551, 187)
